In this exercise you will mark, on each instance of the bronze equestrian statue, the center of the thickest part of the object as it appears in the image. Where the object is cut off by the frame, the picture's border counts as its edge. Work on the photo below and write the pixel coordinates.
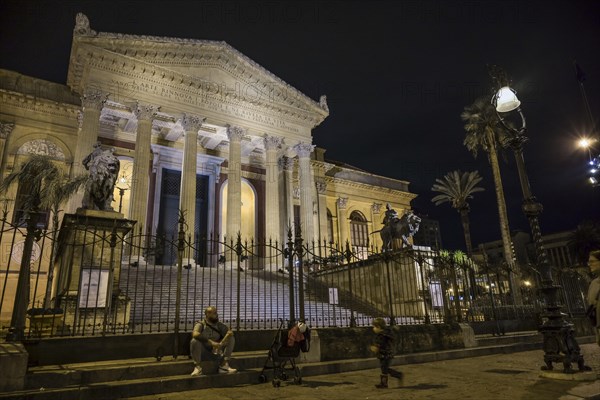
(398, 228)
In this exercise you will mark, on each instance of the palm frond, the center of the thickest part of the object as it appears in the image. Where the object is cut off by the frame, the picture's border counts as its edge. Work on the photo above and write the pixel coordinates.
(456, 188)
(46, 184)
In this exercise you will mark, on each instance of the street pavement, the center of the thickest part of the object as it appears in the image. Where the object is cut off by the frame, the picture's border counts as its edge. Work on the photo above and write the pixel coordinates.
(513, 376)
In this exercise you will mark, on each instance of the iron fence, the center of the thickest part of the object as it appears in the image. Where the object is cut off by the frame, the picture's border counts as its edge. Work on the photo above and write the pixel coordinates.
(99, 278)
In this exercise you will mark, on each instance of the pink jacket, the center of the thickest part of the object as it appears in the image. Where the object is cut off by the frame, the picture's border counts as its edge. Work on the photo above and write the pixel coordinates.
(294, 336)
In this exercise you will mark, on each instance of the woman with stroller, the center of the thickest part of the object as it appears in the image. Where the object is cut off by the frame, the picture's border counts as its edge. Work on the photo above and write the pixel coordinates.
(384, 349)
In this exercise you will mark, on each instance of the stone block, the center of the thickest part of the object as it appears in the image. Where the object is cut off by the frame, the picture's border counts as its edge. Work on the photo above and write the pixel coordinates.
(468, 335)
(13, 364)
(314, 353)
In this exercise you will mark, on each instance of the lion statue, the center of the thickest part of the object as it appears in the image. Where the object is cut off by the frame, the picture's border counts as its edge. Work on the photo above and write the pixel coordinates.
(104, 167)
(401, 228)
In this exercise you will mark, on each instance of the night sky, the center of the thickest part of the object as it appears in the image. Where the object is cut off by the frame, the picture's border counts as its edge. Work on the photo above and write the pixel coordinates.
(397, 76)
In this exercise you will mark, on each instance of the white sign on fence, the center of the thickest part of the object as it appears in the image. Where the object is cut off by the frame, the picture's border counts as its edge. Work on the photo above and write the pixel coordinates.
(94, 288)
(437, 295)
(333, 295)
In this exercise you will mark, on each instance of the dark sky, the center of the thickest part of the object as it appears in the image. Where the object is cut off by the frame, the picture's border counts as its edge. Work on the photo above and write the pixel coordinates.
(397, 76)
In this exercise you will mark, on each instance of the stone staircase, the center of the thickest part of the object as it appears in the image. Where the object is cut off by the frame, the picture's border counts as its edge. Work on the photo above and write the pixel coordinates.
(263, 298)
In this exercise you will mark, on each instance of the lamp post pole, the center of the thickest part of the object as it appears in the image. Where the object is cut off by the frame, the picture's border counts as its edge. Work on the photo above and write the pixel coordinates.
(121, 194)
(559, 343)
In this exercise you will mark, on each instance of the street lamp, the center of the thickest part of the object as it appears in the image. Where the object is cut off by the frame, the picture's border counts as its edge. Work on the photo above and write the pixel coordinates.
(559, 343)
(122, 181)
(593, 163)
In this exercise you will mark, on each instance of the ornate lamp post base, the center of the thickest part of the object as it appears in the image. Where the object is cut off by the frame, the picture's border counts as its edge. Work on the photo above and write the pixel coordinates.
(559, 345)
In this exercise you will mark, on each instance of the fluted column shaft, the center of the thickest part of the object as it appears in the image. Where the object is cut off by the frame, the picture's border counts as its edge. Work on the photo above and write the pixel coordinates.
(288, 168)
(376, 224)
(187, 194)
(342, 220)
(322, 199)
(306, 190)
(138, 204)
(273, 230)
(92, 102)
(234, 182)
(5, 131)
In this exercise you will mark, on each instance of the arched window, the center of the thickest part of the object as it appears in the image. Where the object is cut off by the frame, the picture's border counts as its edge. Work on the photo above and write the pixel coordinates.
(41, 147)
(359, 233)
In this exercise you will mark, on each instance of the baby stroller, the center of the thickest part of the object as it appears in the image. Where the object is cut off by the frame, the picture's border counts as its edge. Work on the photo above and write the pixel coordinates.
(280, 354)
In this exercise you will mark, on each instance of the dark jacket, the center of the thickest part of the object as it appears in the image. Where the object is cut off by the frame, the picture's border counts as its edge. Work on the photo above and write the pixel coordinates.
(385, 341)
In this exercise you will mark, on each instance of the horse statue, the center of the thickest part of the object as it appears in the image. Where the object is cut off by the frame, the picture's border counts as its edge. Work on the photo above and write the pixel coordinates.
(399, 228)
(103, 167)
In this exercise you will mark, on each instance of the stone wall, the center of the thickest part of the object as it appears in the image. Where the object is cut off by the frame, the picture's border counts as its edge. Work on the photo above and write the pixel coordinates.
(348, 343)
(370, 285)
(327, 344)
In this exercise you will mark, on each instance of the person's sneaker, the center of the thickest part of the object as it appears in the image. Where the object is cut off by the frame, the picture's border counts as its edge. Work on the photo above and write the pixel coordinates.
(197, 371)
(226, 369)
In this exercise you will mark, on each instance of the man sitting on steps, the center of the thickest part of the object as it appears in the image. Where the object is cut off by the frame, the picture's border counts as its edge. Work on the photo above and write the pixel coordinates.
(211, 335)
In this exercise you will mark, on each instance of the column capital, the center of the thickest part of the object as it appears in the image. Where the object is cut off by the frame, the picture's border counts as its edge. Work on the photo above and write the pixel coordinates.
(80, 119)
(342, 203)
(321, 186)
(286, 163)
(144, 111)
(272, 142)
(235, 133)
(6, 129)
(192, 123)
(304, 149)
(94, 99)
(376, 208)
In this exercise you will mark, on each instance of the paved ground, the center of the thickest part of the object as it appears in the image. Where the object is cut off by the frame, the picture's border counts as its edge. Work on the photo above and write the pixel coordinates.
(498, 377)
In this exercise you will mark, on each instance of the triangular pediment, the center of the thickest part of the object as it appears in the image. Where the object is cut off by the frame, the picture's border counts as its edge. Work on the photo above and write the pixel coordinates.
(212, 64)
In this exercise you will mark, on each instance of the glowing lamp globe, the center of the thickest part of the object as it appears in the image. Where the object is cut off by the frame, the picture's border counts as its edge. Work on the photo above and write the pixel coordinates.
(506, 100)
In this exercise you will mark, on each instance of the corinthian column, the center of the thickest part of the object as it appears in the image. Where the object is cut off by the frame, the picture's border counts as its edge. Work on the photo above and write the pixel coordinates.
(376, 224)
(273, 230)
(288, 168)
(92, 102)
(5, 130)
(306, 189)
(234, 182)
(322, 209)
(187, 196)
(342, 220)
(138, 204)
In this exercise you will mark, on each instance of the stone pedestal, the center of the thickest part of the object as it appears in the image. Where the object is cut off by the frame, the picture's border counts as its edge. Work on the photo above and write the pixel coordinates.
(90, 246)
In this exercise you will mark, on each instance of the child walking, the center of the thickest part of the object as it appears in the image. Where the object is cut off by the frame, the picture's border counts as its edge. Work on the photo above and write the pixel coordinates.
(384, 348)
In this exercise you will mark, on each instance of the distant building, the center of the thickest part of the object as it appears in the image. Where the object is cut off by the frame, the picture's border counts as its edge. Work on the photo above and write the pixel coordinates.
(560, 254)
(429, 234)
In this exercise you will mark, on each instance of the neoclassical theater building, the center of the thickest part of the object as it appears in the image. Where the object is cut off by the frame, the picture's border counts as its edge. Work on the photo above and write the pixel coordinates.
(198, 126)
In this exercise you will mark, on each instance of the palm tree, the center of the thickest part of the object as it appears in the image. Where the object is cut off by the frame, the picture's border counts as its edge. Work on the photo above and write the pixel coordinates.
(457, 188)
(484, 130)
(48, 186)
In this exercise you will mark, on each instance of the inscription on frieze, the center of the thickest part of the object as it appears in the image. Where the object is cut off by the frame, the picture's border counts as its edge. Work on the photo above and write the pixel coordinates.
(208, 99)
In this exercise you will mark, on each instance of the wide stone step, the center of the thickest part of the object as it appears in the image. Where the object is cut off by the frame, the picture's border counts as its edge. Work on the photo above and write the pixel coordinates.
(138, 387)
(177, 378)
(59, 376)
(520, 337)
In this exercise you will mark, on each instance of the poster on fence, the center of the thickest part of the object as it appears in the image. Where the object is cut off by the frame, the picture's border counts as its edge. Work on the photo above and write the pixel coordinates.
(437, 297)
(94, 287)
(333, 295)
